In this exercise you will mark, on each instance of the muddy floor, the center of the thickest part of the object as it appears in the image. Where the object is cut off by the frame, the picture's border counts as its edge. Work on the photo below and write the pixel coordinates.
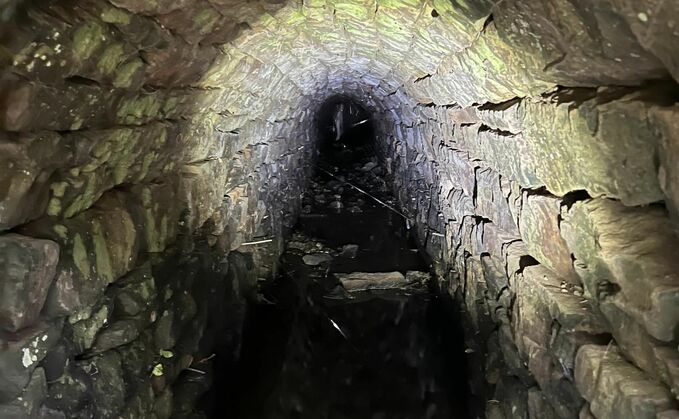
(320, 344)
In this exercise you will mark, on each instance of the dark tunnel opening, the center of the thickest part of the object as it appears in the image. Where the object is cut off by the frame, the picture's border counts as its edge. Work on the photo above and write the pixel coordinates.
(345, 130)
(353, 326)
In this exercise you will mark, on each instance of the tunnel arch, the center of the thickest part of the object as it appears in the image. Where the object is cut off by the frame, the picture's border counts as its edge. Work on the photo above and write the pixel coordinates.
(510, 129)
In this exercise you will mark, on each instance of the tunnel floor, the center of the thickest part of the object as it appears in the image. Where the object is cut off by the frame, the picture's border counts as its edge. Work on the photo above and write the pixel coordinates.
(313, 348)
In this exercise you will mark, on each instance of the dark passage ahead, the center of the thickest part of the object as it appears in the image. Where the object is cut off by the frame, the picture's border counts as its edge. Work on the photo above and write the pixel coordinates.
(313, 350)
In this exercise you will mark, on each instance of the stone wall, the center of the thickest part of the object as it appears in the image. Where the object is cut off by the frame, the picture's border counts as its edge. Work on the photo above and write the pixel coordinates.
(126, 193)
(533, 143)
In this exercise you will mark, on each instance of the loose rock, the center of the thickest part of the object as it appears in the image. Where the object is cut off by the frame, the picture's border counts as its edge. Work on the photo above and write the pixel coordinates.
(316, 259)
(362, 281)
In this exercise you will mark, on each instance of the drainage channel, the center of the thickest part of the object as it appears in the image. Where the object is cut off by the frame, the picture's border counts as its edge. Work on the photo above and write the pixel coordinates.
(351, 328)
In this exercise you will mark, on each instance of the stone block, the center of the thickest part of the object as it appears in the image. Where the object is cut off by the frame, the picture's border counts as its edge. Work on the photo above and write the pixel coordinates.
(97, 247)
(668, 173)
(513, 395)
(475, 293)
(616, 256)
(459, 205)
(363, 281)
(540, 217)
(20, 356)
(510, 354)
(514, 195)
(495, 241)
(647, 20)
(538, 405)
(29, 404)
(505, 116)
(140, 404)
(601, 145)
(70, 393)
(516, 258)
(108, 388)
(70, 107)
(27, 268)
(137, 293)
(104, 159)
(601, 50)
(26, 164)
(462, 170)
(194, 21)
(162, 72)
(495, 275)
(657, 359)
(118, 333)
(616, 389)
(491, 203)
(550, 324)
(202, 191)
(543, 304)
(86, 324)
(154, 211)
(489, 70)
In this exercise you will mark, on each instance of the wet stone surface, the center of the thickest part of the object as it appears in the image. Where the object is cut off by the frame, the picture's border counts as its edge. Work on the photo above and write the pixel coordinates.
(350, 329)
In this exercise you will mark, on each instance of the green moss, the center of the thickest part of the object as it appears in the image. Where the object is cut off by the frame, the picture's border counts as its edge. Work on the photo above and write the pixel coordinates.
(146, 197)
(129, 237)
(126, 73)
(158, 370)
(295, 18)
(164, 229)
(102, 150)
(122, 168)
(58, 189)
(109, 60)
(146, 164)
(86, 198)
(101, 254)
(128, 144)
(77, 123)
(115, 15)
(61, 231)
(147, 289)
(315, 3)
(152, 234)
(54, 207)
(86, 40)
(80, 255)
(170, 105)
(138, 109)
(86, 325)
(356, 11)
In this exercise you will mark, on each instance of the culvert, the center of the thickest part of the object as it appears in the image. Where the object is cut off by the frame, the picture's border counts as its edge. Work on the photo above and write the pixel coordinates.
(157, 159)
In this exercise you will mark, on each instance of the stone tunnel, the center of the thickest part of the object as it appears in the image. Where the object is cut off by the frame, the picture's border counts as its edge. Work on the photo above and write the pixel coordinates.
(146, 145)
